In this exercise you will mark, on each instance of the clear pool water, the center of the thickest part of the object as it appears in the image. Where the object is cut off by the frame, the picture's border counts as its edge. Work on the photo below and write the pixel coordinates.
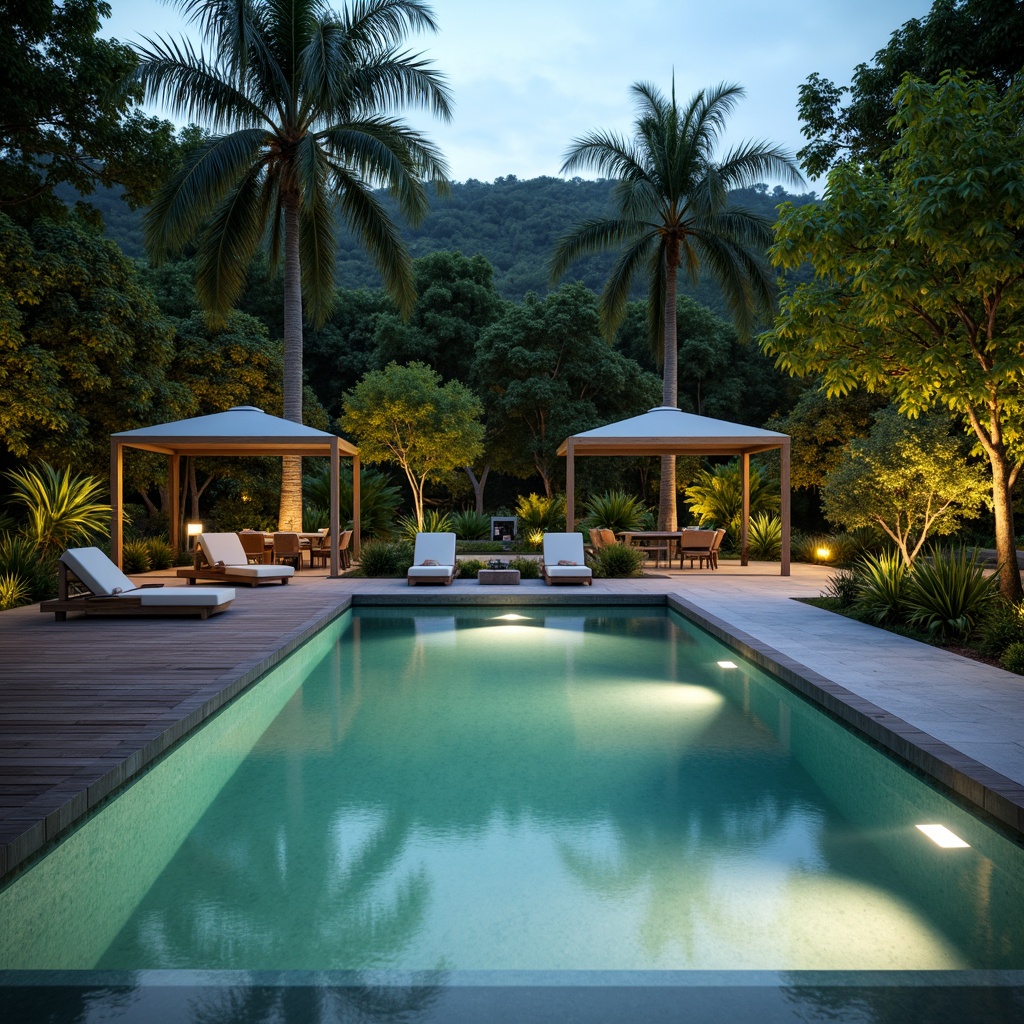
(543, 790)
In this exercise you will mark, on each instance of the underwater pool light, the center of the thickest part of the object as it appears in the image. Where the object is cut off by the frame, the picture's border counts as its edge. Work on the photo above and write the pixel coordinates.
(727, 664)
(941, 836)
(512, 617)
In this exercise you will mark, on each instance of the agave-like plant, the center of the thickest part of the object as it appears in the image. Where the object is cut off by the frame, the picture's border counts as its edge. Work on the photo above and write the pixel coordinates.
(949, 592)
(614, 510)
(471, 525)
(764, 538)
(14, 590)
(62, 506)
(433, 522)
(883, 582)
(537, 512)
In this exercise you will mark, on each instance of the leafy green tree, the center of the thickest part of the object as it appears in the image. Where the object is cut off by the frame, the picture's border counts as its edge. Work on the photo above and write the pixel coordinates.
(83, 348)
(673, 211)
(820, 427)
(852, 122)
(455, 301)
(546, 373)
(404, 415)
(716, 496)
(63, 119)
(919, 277)
(306, 95)
(910, 477)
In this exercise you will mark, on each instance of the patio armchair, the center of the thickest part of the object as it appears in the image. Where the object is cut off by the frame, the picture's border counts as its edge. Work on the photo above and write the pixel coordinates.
(288, 549)
(696, 545)
(563, 560)
(719, 537)
(89, 582)
(254, 546)
(433, 559)
(220, 556)
(321, 552)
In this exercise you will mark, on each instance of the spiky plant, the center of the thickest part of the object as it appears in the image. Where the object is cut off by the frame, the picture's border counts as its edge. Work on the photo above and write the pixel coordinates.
(537, 512)
(434, 521)
(15, 590)
(63, 508)
(471, 525)
(883, 587)
(764, 538)
(613, 510)
(949, 592)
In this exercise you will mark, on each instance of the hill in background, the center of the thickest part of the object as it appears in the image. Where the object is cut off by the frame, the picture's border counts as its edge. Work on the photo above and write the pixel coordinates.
(513, 223)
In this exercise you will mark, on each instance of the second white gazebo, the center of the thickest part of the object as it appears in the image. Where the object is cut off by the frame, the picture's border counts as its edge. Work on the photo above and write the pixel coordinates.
(670, 431)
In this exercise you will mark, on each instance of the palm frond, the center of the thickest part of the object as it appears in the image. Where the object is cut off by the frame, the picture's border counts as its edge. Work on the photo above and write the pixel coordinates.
(593, 236)
(188, 197)
(378, 23)
(608, 154)
(394, 79)
(615, 295)
(755, 161)
(317, 243)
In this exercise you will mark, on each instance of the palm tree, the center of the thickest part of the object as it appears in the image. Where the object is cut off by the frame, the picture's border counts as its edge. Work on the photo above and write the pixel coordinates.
(673, 210)
(299, 100)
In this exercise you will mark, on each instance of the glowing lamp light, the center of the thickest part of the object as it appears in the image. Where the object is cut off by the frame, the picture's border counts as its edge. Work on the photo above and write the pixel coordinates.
(511, 617)
(941, 836)
(727, 664)
(823, 553)
(193, 529)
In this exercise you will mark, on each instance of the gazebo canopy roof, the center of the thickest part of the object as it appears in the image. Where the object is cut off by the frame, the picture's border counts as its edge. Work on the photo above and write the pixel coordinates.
(243, 430)
(670, 431)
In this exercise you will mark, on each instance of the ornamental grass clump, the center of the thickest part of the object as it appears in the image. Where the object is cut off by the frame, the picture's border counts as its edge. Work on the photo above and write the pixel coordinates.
(1001, 626)
(948, 593)
(135, 556)
(618, 561)
(15, 590)
(883, 586)
(380, 559)
(161, 554)
(843, 588)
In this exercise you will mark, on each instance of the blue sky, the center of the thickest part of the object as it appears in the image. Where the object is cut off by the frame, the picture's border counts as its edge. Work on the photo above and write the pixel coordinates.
(530, 75)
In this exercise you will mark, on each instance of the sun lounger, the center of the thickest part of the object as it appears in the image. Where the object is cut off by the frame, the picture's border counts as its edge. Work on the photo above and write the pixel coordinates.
(563, 559)
(220, 556)
(90, 583)
(433, 559)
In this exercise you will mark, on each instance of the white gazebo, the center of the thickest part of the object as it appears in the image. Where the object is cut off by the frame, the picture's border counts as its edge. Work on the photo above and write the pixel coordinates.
(670, 431)
(243, 430)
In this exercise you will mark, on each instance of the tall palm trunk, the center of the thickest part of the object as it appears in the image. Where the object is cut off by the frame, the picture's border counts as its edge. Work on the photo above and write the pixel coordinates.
(670, 386)
(290, 511)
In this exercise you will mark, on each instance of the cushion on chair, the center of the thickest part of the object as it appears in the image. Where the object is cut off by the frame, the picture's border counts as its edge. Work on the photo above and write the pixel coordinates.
(272, 572)
(223, 547)
(575, 572)
(440, 547)
(201, 597)
(97, 572)
(433, 572)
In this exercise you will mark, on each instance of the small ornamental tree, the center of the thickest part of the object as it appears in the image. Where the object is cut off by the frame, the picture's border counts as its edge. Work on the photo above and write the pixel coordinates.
(910, 477)
(402, 414)
(918, 286)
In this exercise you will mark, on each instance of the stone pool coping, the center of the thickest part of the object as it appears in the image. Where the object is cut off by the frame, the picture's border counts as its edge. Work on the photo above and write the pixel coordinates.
(272, 627)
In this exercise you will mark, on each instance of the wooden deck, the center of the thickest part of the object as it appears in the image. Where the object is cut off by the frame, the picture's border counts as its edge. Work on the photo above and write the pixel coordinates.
(84, 704)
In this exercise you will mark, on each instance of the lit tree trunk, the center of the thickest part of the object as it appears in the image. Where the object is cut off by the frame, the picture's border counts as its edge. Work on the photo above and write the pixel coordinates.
(290, 511)
(478, 486)
(1006, 544)
(670, 387)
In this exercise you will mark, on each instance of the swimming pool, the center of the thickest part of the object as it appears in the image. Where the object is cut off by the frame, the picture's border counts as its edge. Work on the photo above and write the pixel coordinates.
(549, 793)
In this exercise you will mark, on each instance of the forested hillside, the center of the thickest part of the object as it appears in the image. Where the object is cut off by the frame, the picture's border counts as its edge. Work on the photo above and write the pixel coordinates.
(512, 223)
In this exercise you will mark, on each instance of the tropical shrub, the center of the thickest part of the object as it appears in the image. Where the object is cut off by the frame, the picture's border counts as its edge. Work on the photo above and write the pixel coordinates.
(64, 508)
(613, 510)
(161, 554)
(883, 585)
(14, 590)
(1013, 658)
(21, 557)
(843, 587)
(379, 498)
(232, 513)
(948, 592)
(315, 517)
(541, 514)
(529, 568)
(618, 561)
(471, 525)
(841, 548)
(716, 496)
(135, 556)
(469, 567)
(379, 558)
(764, 537)
(433, 522)
(1001, 626)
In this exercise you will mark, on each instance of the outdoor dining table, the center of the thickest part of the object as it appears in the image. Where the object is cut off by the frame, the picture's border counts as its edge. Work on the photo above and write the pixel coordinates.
(306, 539)
(654, 542)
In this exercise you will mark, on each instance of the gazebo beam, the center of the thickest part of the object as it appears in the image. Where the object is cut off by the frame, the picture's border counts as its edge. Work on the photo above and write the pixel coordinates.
(116, 483)
(785, 512)
(570, 485)
(745, 509)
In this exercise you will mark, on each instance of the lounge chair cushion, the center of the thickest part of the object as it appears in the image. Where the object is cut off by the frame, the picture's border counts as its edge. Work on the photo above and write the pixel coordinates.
(563, 556)
(224, 550)
(103, 579)
(574, 572)
(433, 557)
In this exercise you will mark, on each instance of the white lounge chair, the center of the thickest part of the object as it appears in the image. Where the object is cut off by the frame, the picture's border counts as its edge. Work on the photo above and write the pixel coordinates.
(220, 556)
(90, 583)
(563, 560)
(433, 559)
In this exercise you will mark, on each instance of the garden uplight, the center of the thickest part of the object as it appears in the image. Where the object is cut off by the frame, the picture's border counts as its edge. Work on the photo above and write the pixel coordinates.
(823, 553)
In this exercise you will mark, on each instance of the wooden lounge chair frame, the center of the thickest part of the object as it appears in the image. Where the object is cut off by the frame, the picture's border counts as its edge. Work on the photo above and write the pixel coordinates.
(74, 595)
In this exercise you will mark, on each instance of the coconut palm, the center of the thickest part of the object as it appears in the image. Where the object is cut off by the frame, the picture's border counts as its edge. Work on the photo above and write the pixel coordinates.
(673, 210)
(299, 101)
